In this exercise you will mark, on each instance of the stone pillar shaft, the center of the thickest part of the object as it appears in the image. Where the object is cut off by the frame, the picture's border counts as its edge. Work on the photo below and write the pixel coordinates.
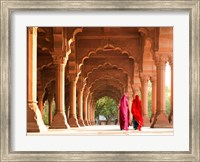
(144, 80)
(72, 117)
(41, 105)
(160, 119)
(32, 64)
(135, 92)
(145, 95)
(60, 88)
(80, 105)
(153, 96)
(59, 119)
(80, 108)
(72, 99)
(85, 113)
(34, 118)
(161, 87)
(153, 109)
(89, 110)
(170, 118)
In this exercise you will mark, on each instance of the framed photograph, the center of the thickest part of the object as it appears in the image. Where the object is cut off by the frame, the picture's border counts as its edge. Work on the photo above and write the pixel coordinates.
(19, 21)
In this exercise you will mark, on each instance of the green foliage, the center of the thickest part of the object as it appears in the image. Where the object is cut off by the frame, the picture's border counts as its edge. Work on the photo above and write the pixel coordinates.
(167, 96)
(149, 99)
(107, 107)
(46, 111)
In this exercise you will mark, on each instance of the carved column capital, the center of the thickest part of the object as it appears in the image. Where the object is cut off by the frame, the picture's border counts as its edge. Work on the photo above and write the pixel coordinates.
(170, 59)
(143, 31)
(161, 59)
(33, 30)
(153, 79)
(144, 78)
(72, 78)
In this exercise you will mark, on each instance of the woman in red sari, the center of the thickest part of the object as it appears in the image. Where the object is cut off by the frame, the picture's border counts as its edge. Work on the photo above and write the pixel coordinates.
(124, 113)
(137, 113)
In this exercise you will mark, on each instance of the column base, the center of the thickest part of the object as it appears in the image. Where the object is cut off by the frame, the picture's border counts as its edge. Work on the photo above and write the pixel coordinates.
(86, 123)
(89, 123)
(33, 127)
(59, 121)
(81, 122)
(152, 118)
(146, 121)
(161, 121)
(73, 122)
(170, 118)
(34, 119)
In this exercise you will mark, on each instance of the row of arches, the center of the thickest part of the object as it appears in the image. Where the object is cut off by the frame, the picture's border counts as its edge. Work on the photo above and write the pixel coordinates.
(77, 66)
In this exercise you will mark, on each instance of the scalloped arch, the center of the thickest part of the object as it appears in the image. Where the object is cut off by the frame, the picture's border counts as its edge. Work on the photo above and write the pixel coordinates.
(107, 47)
(103, 79)
(105, 88)
(71, 40)
(109, 94)
(103, 65)
(150, 46)
(110, 79)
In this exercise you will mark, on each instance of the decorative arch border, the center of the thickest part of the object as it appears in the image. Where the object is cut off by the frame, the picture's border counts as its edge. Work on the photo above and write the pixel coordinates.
(72, 40)
(107, 47)
(106, 64)
(105, 78)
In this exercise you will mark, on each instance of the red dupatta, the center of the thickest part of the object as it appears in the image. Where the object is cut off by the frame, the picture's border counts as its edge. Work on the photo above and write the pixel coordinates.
(136, 110)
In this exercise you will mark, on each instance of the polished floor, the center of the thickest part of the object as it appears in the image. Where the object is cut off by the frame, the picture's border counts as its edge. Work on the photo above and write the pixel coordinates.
(105, 130)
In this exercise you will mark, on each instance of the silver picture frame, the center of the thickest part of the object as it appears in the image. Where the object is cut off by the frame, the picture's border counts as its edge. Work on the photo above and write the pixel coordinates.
(192, 6)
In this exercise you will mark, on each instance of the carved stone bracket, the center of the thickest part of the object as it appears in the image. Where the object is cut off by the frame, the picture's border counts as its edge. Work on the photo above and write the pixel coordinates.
(161, 60)
(170, 59)
(72, 78)
(143, 31)
(59, 59)
(153, 78)
(33, 30)
(144, 78)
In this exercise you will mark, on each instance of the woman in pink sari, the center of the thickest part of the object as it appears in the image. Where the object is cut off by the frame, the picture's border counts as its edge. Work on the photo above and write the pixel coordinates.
(124, 113)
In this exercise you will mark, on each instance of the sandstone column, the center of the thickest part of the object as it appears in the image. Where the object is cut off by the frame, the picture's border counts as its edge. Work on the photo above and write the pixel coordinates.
(135, 91)
(93, 112)
(170, 118)
(40, 103)
(161, 119)
(85, 111)
(89, 110)
(59, 119)
(80, 108)
(144, 81)
(50, 110)
(50, 98)
(130, 99)
(34, 118)
(73, 122)
(153, 81)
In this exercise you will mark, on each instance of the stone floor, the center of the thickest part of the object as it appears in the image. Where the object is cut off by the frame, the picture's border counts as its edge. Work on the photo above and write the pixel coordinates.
(106, 130)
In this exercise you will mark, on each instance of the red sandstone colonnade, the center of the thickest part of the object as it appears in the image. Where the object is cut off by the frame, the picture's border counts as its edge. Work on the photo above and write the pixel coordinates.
(76, 66)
